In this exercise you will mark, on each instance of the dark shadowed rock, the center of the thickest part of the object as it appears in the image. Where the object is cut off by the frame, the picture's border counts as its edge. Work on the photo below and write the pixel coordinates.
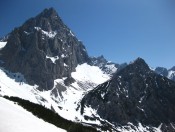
(135, 94)
(170, 74)
(162, 71)
(43, 49)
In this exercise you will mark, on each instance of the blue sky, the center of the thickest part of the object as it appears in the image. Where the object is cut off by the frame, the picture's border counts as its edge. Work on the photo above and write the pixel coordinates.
(121, 30)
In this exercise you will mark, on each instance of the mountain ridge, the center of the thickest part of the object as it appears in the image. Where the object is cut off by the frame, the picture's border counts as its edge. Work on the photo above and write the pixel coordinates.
(45, 63)
(43, 49)
(135, 94)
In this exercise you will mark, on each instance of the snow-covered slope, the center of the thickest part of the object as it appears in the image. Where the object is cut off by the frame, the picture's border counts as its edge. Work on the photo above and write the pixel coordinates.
(63, 99)
(87, 73)
(171, 75)
(14, 118)
(2, 44)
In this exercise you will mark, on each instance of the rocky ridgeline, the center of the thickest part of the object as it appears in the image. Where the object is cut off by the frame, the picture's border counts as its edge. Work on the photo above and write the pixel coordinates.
(135, 94)
(43, 49)
(165, 72)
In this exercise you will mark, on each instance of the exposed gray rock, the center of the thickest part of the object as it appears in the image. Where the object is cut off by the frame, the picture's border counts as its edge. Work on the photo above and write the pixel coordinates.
(162, 71)
(135, 94)
(43, 49)
(58, 90)
(170, 74)
(106, 66)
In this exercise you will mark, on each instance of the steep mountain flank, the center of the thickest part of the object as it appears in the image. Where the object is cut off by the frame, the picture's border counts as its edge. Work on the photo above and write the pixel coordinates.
(137, 95)
(43, 49)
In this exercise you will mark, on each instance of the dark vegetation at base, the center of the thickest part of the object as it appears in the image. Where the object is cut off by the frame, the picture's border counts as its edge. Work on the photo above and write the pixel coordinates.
(51, 117)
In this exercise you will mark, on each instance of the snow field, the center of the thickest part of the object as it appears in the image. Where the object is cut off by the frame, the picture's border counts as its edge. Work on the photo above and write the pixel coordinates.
(14, 118)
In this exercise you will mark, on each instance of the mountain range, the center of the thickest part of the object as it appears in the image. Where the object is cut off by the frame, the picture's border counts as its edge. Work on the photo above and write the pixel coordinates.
(43, 61)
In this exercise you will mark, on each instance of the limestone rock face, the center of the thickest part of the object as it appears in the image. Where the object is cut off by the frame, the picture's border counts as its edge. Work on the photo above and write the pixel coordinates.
(43, 49)
(134, 94)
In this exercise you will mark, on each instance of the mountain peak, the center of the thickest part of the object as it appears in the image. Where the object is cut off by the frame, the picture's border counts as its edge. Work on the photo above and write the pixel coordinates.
(48, 20)
(139, 60)
(48, 12)
(46, 45)
(173, 68)
(139, 63)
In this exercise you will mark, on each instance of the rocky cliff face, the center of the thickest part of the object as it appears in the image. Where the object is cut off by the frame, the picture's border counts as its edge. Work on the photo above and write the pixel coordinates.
(162, 71)
(43, 49)
(107, 66)
(165, 72)
(137, 95)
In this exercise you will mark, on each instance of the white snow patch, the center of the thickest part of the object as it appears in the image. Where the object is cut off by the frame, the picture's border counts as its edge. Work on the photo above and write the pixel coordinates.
(51, 34)
(171, 74)
(63, 56)
(111, 67)
(141, 99)
(140, 109)
(53, 59)
(71, 33)
(159, 128)
(102, 95)
(2, 45)
(68, 103)
(37, 28)
(89, 73)
(151, 68)
(16, 86)
(14, 118)
(65, 65)
(27, 33)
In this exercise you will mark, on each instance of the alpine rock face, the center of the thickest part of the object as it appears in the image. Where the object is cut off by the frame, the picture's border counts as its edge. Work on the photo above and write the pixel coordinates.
(43, 49)
(42, 61)
(135, 96)
(167, 73)
(107, 66)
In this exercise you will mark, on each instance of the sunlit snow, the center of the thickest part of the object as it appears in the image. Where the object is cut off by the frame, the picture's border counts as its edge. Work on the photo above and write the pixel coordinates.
(51, 34)
(171, 74)
(53, 59)
(2, 45)
(89, 73)
(87, 77)
(14, 118)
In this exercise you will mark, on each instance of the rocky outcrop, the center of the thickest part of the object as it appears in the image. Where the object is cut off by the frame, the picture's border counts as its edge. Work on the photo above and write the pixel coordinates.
(43, 49)
(167, 73)
(162, 71)
(135, 94)
(107, 66)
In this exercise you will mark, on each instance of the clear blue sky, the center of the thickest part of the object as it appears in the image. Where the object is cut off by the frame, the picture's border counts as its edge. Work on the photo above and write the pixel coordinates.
(121, 30)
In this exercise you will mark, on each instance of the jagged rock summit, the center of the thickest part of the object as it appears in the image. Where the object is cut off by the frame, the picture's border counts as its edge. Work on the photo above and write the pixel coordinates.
(165, 72)
(107, 66)
(43, 49)
(135, 95)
